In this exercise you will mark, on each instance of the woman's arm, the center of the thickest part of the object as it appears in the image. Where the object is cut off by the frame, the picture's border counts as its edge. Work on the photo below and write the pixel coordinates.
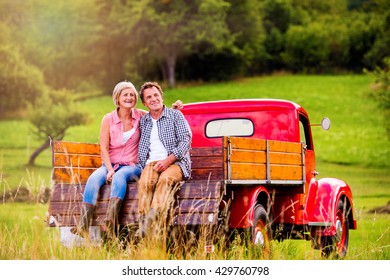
(105, 146)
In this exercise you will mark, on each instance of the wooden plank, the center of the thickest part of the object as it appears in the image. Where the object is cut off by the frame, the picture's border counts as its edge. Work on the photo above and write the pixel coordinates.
(286, 158)
(71, 175)
(198, 205)
(286, 172)
(67, 160)
(206, 162)
(206, 174)
(73, 208)
(66, 192)
(75, 148)
(200, 189)
(260, 157)
(285, 147)
(205, 152)
(72, 192)
(248, 171)
(245, 143)
(247, 156)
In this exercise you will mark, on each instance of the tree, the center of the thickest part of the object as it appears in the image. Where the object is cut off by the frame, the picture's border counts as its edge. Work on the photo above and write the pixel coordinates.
(246, 27)
(19, 81)
(57, 112)
(277, 17)
(243, 55)
(307, 48)
(380, 90)
(381, 45)
(168, 29)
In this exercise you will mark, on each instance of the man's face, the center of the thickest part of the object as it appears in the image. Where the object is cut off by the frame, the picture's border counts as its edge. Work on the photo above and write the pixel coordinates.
(153, 99)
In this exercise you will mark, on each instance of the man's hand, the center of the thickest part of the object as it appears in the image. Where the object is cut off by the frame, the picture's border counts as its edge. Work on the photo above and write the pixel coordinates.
(161, 165)
(178, 105)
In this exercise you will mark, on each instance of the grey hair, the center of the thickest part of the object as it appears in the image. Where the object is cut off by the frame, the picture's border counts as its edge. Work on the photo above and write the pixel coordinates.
(118, 89)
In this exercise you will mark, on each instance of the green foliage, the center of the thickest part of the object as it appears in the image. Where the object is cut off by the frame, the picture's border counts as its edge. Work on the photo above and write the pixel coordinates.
(54, 113)
(243, 54)
(168, 30)
(362, 31)
(380, 48)
(247, 32)
(306, 48)
(380, 91)
(86, 46)
(20, 81)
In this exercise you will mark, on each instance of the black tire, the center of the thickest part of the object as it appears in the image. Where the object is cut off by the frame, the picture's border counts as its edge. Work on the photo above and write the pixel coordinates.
(261, 230)
(337, 245)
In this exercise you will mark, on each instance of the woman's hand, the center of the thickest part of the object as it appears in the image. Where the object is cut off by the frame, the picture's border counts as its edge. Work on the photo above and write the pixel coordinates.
(109, 176)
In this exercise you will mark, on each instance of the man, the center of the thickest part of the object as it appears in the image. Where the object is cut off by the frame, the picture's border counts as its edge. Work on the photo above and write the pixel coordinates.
(163, 154)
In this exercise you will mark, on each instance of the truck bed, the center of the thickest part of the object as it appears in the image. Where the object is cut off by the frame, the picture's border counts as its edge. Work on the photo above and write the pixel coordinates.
(238, 161)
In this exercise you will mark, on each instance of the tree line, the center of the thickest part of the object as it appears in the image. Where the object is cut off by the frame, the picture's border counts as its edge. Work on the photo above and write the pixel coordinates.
(87, 46)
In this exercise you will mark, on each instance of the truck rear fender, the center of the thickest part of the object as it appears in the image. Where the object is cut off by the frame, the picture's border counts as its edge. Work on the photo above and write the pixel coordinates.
(322, 201)
(242, 207)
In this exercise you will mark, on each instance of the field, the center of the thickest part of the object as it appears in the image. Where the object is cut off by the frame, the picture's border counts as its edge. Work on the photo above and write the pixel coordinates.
(355, 149)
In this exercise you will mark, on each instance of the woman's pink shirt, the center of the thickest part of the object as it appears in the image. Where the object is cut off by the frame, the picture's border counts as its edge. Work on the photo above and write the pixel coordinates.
(123, 153)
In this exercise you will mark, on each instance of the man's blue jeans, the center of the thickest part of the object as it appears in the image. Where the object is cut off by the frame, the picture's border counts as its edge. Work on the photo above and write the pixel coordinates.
(123, 174)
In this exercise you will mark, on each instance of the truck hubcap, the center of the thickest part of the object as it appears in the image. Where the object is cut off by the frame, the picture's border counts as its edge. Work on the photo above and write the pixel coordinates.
(339, 231)
(259, 238)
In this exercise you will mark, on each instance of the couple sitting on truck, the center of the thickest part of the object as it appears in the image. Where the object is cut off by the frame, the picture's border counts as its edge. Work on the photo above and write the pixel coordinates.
(133, 140)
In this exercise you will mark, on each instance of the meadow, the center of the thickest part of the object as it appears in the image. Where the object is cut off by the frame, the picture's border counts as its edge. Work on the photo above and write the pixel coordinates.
(355, 149)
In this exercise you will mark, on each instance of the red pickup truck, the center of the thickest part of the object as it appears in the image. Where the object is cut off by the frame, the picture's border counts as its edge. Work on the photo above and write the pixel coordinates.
(278, 205)
(253, 172)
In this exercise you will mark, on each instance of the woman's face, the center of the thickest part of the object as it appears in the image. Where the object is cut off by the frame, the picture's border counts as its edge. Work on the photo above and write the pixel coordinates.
(127, 98)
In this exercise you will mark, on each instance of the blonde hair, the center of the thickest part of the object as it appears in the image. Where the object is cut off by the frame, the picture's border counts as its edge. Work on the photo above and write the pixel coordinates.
(118, 89)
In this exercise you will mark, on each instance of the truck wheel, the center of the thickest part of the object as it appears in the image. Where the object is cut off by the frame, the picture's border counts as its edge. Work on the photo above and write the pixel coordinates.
(337, 244)
(261, 231)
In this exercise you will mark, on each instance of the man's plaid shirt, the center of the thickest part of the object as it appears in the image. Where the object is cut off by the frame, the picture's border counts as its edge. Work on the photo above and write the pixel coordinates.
(175, 134)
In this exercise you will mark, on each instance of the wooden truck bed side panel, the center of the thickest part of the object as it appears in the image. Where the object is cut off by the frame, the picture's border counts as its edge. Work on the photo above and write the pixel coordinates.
(249, 160)
(197, 200)
(207, 163)
(193, 204)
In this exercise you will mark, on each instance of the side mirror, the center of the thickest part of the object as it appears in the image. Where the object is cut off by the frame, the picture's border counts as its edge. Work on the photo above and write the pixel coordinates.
(325, 123)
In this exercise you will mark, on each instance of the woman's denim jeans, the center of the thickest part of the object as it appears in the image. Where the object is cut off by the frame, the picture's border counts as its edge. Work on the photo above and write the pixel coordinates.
(123, 174)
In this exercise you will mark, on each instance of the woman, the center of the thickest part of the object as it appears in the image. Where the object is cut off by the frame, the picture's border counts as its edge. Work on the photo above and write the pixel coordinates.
(119, 137)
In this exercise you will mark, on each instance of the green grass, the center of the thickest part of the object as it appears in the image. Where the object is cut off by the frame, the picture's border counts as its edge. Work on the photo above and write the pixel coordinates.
(29, 238)
(355, 150)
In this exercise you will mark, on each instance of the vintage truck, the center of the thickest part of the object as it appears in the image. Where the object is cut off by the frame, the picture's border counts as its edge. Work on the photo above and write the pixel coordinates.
(253, 172)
